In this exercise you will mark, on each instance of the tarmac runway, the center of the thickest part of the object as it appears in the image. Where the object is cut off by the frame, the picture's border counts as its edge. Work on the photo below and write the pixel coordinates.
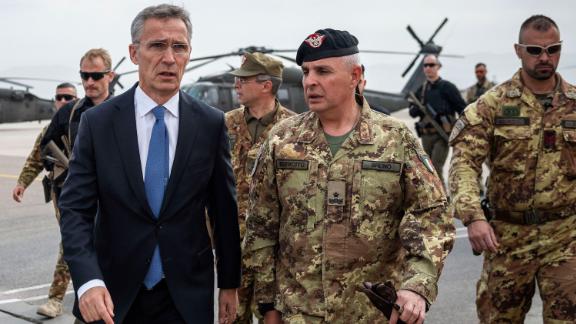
(29, 239)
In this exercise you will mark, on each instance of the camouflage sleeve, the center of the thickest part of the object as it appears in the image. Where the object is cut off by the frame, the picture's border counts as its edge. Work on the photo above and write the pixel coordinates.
(33, 165)
(470, 140)
(262, 227)
(426, 230)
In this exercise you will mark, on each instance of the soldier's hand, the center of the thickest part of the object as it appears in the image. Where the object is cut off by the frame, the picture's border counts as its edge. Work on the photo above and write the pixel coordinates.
(18, 193)
(96, 304)
(482, 237)
(273, 317)
(412, 308)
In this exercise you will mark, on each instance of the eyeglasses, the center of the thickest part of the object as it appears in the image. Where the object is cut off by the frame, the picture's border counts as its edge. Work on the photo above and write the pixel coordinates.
(65, 97)
(536, 50)
(245, 80)
(94, 75)
(427, 65)
(160, 47)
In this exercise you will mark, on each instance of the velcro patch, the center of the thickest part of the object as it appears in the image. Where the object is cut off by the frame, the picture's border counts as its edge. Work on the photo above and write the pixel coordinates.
(381, 166)
(569, 123)
(292, 164)
(510, 111)
(515, 121)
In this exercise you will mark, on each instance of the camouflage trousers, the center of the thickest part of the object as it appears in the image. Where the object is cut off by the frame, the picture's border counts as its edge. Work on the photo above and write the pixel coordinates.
(542, 254)
(61, 272)
(437, 149)
(246, 304)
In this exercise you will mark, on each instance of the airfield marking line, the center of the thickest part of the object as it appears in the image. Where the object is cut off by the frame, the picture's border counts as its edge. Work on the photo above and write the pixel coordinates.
(15, 300)
(12, 291)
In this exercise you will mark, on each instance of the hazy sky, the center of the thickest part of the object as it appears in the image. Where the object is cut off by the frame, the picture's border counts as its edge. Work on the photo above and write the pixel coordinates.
(46, 38)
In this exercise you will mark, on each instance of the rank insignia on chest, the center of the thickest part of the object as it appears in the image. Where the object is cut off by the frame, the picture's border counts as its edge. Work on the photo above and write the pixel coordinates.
(232, 139)
(336, 193)
(514, 93)
(510, 111)
(549, 139)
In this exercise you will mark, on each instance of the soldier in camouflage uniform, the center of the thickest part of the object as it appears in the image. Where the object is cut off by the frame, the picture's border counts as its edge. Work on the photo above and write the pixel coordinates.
(340, 195)
(474, 92)
(33, 166)
(526, 127)
(256, 83)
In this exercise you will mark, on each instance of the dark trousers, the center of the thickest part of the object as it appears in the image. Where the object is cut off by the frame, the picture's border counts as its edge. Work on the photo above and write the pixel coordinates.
(153, 306)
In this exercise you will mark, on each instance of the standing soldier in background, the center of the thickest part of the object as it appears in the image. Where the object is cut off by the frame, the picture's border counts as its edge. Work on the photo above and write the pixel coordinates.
(483, 84)
(256, 83)
(443, 101)
(526, 127)
(340, 195)
(65, 93)
(96, 75)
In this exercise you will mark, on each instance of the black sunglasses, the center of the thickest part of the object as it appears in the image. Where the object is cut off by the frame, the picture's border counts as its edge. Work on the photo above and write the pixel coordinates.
(429, 65)
(94, 75)
(536, 50)
(66, 97)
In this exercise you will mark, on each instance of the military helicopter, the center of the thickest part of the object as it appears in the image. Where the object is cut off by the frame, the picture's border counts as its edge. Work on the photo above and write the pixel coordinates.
(218, 90)
(17, 105)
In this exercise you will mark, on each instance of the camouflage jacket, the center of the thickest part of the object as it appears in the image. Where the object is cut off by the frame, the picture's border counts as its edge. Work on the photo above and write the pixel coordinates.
(33, 165)
(319, 225)
(531, 152)
(244, 150)
(471, 93)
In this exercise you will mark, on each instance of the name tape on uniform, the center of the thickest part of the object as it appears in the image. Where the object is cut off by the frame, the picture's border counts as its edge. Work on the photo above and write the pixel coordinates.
(292, 164)
(515, 121)
(381, 166)
(569, 123)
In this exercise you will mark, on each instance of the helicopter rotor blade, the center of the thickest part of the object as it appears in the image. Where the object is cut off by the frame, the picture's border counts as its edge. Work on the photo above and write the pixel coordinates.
(287, 58)
(410, 65)
(201, 64)
(437, 30)
(387, 52)
(413, 34)
(27, 86)
(119, 62)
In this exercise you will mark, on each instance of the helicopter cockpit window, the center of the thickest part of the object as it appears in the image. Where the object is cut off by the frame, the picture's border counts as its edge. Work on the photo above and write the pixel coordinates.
(282, 95)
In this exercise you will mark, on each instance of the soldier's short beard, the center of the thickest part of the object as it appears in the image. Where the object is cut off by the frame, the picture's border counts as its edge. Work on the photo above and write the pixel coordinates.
(540, 75)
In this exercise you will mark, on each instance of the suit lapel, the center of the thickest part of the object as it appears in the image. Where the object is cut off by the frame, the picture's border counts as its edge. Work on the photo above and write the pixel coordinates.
(188, 126)
(127, 140)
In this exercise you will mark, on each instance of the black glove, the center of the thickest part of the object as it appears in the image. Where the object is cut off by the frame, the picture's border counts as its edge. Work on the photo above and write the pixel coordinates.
(383, 296)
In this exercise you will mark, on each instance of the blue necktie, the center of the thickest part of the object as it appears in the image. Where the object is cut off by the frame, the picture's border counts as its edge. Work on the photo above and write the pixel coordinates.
(155, 180)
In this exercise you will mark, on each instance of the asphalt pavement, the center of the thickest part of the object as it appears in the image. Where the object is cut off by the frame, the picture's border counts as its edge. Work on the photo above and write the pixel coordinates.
(29, 239)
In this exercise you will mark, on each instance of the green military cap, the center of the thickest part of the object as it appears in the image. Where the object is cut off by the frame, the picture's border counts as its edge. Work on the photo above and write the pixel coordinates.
(259, 63)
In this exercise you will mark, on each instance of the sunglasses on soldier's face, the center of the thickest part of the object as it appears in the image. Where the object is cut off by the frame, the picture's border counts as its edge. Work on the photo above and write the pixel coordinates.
(536, 50)
(427, 65)
(94, 75)
(65, 97)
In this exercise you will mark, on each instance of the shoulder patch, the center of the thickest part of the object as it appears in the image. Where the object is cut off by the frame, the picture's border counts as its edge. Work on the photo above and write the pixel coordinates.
(458, 127)
(427, 162)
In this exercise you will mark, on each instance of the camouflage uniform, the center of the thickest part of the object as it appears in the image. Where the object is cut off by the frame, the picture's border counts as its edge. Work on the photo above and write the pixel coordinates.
(532, 188)
(474, 92)
(319, 225)
(32, 168)
(244, 150)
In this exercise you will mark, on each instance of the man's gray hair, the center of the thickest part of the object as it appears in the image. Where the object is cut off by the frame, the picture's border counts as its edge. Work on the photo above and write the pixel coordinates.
(352, 60)
(163, 11)
(276, 82)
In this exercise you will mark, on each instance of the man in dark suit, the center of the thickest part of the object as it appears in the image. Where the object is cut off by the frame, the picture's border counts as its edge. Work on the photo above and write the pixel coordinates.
(145, 166)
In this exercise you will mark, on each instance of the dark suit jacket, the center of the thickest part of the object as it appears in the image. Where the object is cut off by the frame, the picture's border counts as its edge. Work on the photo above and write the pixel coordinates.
(108, 229)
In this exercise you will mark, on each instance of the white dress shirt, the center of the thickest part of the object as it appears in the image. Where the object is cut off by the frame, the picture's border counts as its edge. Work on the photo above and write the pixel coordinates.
(144, 123)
